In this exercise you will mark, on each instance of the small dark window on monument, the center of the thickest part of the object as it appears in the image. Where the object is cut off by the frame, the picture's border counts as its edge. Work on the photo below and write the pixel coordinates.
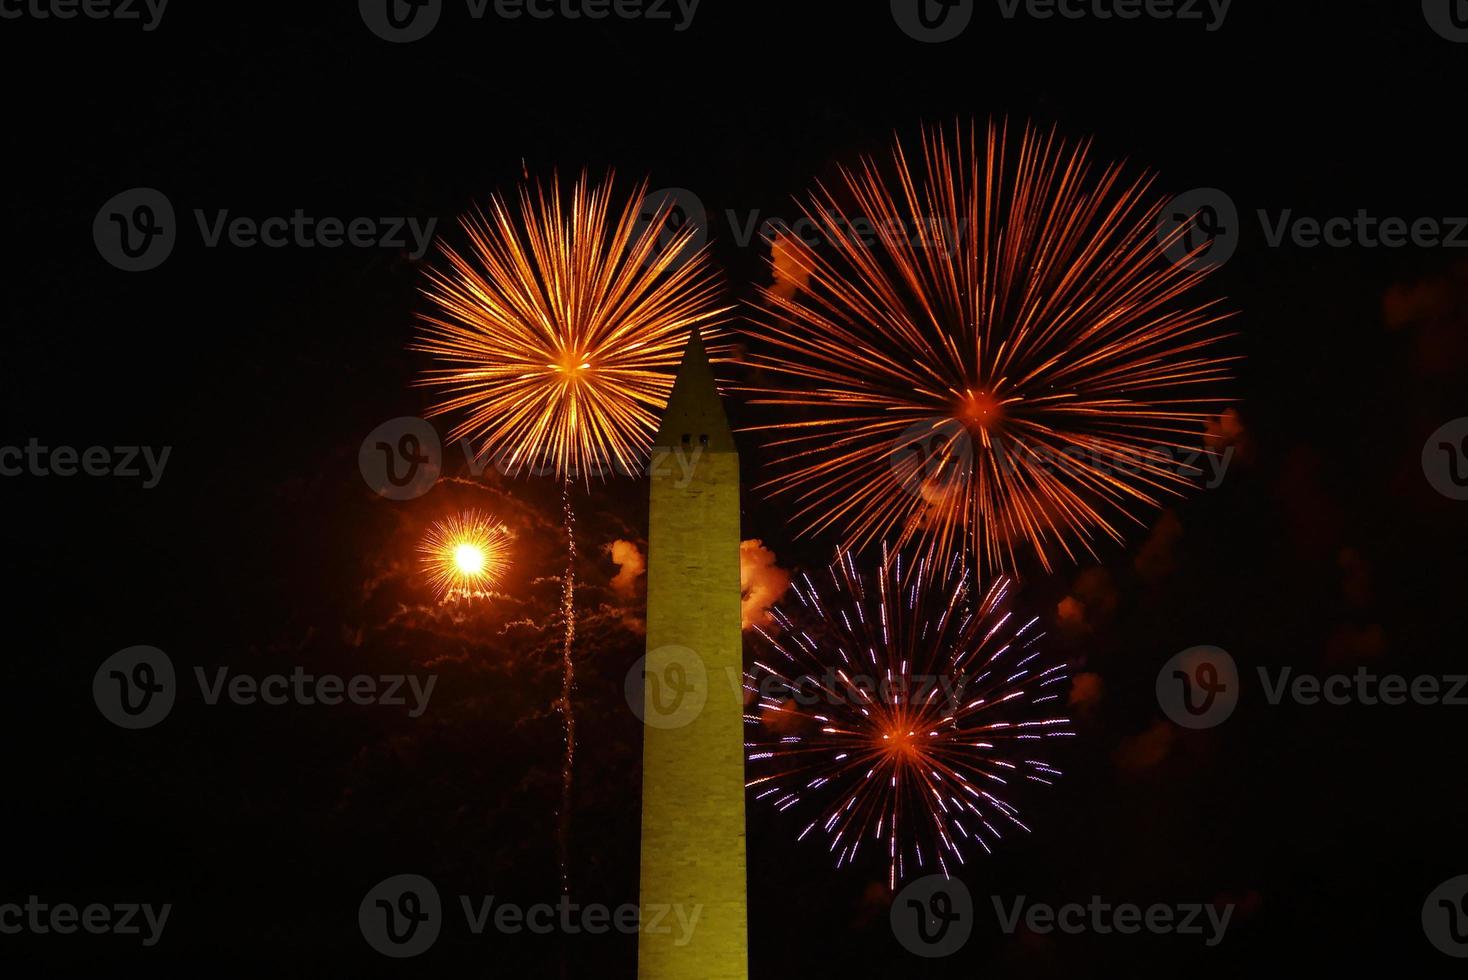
(703, 439)
(687, 439)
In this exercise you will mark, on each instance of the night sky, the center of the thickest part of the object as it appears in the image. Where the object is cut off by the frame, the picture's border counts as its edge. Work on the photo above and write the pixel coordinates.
(1325, 549)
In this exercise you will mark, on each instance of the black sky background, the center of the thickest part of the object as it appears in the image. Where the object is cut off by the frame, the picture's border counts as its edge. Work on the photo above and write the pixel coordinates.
(262, 548)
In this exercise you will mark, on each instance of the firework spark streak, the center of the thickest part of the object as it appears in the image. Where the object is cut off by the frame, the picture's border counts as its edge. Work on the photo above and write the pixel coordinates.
(908, 713)
(558, 335)
(987, 349)
(568, 680)
(465, 556)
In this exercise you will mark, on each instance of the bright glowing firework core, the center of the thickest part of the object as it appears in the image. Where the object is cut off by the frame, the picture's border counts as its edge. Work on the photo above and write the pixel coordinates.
(1011, 362)
(466, 555)
(906, 711)
(469, 559)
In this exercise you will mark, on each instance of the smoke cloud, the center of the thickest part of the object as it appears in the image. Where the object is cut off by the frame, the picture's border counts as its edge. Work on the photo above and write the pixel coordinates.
(761, 581)
(631, 563)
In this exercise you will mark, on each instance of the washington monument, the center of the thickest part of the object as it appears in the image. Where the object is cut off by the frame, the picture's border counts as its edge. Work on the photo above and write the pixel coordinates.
(693, 739)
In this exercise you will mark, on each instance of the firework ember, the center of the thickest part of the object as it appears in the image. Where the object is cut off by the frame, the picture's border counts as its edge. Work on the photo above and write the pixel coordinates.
(983, 351)
(906, 712)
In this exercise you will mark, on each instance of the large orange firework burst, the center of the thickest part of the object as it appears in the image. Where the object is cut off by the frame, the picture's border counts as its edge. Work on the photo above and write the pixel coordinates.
(984, 349)
(906, 712)
(558, 331)
(465, 555)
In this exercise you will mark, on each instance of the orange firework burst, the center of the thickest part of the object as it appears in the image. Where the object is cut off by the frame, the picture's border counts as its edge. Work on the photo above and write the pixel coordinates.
(465, 555)
(989, 349)
(559, 331)
(909, 716)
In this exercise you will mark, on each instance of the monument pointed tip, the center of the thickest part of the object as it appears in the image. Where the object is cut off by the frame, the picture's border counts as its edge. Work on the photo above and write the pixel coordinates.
(694, 415)
(694, 349)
